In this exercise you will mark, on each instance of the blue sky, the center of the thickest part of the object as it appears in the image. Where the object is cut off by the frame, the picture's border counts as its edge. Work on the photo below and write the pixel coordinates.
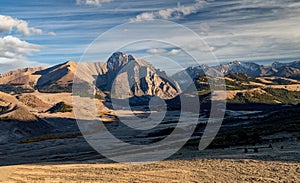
(36, 32)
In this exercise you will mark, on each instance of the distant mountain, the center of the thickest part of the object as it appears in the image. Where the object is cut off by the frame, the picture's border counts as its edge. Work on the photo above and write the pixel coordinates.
(288, 70)
(245, 82)
(249, 68)
(295, 64)
(142, 78)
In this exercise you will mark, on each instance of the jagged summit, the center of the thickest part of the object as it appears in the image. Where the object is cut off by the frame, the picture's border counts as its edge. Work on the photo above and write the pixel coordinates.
(140, 76)
(118, 60)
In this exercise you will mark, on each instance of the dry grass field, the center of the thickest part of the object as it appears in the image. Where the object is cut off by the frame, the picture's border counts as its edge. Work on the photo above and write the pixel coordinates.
(203, 170)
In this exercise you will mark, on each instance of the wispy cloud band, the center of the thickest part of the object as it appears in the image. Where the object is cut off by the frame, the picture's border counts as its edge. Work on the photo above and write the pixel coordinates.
(92, 2)
(171, 13)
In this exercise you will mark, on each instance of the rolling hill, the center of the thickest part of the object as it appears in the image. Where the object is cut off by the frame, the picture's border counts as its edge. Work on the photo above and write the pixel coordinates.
(14, 110)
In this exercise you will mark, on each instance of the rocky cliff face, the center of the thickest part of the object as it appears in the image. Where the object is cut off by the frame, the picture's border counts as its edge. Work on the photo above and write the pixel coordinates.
(128, 76)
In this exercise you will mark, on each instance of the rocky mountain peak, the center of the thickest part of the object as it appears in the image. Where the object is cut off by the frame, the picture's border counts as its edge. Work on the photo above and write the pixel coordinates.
(235, 63)
(118, 60)
(70, 62)
(275, 64)
(137, 75)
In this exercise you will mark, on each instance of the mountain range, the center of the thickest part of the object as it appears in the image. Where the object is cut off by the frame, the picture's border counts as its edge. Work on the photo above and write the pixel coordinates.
(143, 79)
(287, 70)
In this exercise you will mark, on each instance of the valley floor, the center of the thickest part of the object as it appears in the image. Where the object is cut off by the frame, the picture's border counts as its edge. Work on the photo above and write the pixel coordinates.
(59, 154)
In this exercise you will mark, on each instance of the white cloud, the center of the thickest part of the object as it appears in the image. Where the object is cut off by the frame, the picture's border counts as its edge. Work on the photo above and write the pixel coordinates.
(171, 13)
(52, 33)
(92, 2)
(13, 52)
(8, 24)
(155, 51)
(175, 51)
(12, 48)
(36, 31)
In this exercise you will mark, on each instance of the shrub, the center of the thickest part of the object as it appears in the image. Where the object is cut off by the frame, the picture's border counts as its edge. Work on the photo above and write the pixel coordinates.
(55, 88)
(16, 89)
(60, 107)
(242, 77)
(253, 97)
(50, 137)
(3, 109)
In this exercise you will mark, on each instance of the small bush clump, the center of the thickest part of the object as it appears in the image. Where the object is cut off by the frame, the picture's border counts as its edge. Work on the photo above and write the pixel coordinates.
(60, 107)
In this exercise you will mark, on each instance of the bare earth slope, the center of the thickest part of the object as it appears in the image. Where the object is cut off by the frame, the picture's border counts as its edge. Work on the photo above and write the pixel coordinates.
(24, 77)
(15, 109)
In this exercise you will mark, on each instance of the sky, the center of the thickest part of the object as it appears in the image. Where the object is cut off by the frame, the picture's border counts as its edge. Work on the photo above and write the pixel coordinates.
(36, 33)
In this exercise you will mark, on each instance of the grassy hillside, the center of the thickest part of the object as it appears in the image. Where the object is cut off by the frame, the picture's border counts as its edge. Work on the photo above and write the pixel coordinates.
(246, 89)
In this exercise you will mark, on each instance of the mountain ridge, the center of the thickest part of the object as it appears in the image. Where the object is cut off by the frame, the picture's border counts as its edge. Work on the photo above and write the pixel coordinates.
(289, 69)
(154, 82)
(141, 77)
